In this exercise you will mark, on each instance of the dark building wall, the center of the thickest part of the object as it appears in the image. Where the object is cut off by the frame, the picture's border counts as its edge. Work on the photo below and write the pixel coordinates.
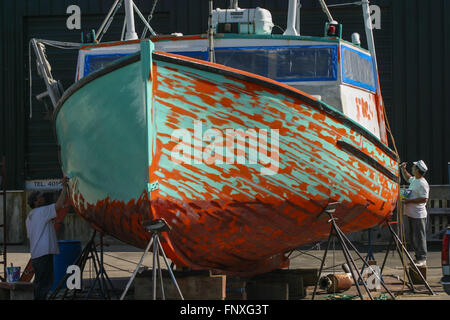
(412, 47)
(420, 112)
(12, 118)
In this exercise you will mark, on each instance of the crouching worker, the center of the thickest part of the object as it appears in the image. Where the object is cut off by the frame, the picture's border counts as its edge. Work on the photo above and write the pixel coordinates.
(43, 242)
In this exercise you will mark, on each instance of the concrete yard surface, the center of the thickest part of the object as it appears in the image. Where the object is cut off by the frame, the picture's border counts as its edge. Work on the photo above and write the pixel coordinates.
(121, 260)
(393, 273)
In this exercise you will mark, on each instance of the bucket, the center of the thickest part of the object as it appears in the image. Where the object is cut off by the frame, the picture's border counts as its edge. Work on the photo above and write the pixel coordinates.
(12, 274)
(69, 250)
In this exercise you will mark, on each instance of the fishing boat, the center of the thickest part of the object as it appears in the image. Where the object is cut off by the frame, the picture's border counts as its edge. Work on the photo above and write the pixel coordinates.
(239, 139)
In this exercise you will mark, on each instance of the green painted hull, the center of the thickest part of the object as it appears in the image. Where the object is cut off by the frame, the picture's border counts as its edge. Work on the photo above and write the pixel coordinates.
(114, 128)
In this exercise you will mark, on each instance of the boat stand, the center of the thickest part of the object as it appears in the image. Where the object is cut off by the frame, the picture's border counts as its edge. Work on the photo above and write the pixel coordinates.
(370, 256)
(155, 227)
(400, 248)
(343, 241)
(89, 252)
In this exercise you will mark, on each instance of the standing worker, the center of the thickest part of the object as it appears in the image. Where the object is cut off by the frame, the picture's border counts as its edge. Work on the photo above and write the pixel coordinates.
(415, 209)
(43, 242)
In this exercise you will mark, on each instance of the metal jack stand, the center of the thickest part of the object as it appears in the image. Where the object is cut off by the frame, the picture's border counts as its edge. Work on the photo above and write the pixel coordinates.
(155, 227)
(89, 252)
(401, 248)
(100, 272)
(369, 255)
(343, 240)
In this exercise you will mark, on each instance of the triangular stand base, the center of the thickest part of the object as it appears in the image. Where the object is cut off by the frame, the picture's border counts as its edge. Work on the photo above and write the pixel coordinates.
(401, 250)
(345, 244)
(155, 227)
(101, 278)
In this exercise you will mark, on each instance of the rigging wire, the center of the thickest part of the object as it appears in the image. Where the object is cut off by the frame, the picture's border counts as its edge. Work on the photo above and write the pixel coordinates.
(143, 19)
(149, 18)
(51, 43)
(30, 80)
(108, 20)
(400, 220)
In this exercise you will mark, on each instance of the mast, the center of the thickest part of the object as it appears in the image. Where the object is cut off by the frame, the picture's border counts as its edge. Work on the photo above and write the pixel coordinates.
(211, 33)
(129, 16)
(371, 46)
(297, 18)
(292, 15)
(369, 33)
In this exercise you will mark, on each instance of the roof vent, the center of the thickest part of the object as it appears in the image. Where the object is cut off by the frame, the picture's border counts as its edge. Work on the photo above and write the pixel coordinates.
(243, 21)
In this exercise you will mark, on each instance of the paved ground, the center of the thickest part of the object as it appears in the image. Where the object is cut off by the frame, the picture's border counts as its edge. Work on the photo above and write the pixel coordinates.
(120, 261)
(393, 273)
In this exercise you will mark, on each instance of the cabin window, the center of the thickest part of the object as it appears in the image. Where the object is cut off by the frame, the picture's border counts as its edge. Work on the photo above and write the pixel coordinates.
(306, 64)
(95, 62)
(358, 69)
(285, 64)
(250, 60)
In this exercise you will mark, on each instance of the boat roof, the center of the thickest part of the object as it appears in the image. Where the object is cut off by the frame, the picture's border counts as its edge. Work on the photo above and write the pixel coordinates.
(161, 38)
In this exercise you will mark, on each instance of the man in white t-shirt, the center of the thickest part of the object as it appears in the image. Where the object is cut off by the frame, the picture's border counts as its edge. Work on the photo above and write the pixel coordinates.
(415, 209)
(43, 242)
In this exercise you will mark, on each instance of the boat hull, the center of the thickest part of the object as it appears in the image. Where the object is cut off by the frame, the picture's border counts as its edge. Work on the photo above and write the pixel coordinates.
(151, 137)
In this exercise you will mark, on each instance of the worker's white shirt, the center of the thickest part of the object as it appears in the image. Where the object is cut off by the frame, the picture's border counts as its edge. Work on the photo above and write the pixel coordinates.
(419, 189)
(41, 232)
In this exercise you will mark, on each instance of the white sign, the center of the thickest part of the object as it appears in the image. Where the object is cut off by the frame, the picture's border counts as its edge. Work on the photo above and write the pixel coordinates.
(374, 278)
(375, 17)
(44, 184)
(74, 21)
(74, 280)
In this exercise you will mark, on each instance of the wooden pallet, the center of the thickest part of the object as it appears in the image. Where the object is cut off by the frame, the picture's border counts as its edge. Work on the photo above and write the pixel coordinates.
(194, 285)
(204, 285)
(16, 291)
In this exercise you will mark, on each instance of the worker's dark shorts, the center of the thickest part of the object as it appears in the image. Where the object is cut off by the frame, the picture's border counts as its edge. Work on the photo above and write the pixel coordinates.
(43, 276)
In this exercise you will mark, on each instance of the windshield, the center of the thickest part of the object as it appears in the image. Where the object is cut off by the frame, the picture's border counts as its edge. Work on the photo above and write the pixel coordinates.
(285, 64)
(95, 62)
(357, 69)
(305, 63)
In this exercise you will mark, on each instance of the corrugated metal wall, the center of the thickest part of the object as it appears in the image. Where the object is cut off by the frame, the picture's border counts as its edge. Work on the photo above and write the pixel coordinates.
(420, 114)
(412, 48)
(11, 90)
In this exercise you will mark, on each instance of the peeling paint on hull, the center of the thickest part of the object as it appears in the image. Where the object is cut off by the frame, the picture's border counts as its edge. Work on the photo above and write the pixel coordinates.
(225, 216)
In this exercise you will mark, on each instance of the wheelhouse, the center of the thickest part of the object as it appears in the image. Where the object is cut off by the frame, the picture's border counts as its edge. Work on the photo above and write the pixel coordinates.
(296, 64)
(332, 70)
